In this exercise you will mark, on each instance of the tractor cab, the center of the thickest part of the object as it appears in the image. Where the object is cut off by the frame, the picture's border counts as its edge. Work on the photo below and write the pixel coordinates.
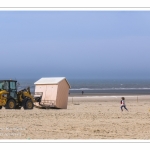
(10, 87)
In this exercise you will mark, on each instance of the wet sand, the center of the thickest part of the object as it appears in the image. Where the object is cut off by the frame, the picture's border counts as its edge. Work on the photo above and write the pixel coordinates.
(87, 117)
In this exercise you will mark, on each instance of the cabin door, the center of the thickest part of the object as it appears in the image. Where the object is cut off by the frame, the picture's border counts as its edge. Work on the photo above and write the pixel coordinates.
(51, 92)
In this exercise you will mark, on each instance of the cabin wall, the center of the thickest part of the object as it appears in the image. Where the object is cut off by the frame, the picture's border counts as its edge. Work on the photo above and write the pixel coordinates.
(62, 94)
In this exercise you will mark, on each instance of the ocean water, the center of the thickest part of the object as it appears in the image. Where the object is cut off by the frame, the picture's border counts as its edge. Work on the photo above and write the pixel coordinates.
(99, 86)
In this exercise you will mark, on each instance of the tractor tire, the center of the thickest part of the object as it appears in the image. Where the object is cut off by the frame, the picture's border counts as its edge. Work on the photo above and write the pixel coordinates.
(0, 107)
(11, 104)
(28, 104)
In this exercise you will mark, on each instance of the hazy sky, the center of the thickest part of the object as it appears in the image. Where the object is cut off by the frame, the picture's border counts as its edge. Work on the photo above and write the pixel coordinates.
(74, 44)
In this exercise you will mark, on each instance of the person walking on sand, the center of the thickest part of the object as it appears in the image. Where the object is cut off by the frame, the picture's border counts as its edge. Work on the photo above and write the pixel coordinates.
(123, 104)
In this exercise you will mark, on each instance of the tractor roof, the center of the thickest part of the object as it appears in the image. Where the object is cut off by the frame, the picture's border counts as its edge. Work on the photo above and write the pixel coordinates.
(9, 80)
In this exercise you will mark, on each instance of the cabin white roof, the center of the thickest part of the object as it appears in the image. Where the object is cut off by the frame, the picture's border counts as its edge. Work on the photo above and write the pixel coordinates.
(51, 80)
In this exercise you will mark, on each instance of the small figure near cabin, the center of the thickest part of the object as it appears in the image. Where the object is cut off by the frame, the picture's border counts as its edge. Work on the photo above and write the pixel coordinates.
(82, 92)
(123, 104)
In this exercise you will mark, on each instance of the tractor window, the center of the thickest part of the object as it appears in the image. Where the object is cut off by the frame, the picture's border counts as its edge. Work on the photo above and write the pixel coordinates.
(4, 85)
(13, 91)
(1, 85)
(12, 85)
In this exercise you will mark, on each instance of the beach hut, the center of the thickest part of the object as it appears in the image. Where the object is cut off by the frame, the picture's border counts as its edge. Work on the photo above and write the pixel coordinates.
(55, 91)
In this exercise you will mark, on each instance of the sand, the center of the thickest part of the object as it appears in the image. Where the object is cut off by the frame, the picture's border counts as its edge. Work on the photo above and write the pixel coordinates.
(96, 117)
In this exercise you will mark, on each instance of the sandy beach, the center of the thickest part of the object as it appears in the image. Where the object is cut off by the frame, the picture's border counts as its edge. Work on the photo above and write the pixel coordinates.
(86, 117)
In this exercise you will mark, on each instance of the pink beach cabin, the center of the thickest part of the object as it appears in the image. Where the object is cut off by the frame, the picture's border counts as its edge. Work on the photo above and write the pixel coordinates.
(55, 92)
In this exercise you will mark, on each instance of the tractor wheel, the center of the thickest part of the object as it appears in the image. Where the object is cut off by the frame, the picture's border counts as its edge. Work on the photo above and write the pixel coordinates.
(28, 104)
(11, 104)
(0, 107)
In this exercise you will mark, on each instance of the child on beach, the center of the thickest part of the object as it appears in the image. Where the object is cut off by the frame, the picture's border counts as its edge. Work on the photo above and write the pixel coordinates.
(123, 104)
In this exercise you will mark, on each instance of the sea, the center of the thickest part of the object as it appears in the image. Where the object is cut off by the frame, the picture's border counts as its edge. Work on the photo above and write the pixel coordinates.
(99, 86)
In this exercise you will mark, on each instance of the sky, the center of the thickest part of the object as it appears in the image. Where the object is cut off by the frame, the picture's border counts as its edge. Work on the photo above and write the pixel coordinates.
(75, 44)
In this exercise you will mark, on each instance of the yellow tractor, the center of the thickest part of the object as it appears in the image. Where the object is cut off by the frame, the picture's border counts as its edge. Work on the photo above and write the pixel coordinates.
(11, 99)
